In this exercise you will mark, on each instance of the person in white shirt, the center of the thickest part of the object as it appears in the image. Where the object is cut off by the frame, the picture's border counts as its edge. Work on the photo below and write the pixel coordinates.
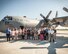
(16, 33)
(54, 38)
(13, 33)
(20, 33)
(50, 34)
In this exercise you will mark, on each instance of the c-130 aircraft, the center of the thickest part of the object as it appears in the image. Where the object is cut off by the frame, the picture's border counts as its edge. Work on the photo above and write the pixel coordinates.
(17, 21)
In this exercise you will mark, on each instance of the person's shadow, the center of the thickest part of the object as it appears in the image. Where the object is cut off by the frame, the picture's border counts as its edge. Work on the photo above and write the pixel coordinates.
(51, 49)
(58, 44)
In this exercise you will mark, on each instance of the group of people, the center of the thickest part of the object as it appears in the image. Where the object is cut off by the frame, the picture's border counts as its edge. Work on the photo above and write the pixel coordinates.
(48, 33)
(31, 34)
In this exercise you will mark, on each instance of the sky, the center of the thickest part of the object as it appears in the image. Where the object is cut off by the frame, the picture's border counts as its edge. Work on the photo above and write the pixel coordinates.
(32, 8)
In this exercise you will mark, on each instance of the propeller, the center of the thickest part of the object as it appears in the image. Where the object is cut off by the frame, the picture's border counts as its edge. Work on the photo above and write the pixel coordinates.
(46, 18)
(56, 14)
(65, 9)
(54, 22)
(48, 14)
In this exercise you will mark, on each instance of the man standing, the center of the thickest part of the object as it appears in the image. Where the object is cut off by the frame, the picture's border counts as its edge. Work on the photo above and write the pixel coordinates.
(8, 31)
(54, 38)
(50, 34)
(46, 32)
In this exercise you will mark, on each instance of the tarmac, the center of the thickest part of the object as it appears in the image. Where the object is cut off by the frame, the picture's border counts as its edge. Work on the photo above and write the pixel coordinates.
(60, 46)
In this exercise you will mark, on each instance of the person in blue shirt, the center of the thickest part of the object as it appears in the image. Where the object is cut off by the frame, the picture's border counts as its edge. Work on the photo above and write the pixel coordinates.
(8, 31)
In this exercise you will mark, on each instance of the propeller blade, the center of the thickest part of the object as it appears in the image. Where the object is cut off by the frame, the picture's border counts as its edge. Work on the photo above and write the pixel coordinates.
(46, 20)
(56, 14)
(48, 14)
(65, 9)
(42, 16)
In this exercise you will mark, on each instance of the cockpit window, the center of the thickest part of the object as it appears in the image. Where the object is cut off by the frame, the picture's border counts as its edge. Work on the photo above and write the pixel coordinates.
(8, 18)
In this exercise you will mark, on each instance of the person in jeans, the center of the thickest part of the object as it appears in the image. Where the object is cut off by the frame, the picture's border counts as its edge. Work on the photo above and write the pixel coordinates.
(54, 38)
(50, 34)
(8, 31)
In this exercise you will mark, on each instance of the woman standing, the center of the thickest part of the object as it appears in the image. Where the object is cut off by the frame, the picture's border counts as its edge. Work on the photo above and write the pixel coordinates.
(41, 35)
(13, 33)
(20, 33)
(16, 34)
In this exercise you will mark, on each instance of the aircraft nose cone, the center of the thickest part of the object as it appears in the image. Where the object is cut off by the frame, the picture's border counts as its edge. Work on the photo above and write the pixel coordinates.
(3, 20)
(6, 22)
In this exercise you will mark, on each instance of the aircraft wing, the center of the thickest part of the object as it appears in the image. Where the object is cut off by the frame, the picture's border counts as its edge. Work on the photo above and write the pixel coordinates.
(63, 21)
(60, 19)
